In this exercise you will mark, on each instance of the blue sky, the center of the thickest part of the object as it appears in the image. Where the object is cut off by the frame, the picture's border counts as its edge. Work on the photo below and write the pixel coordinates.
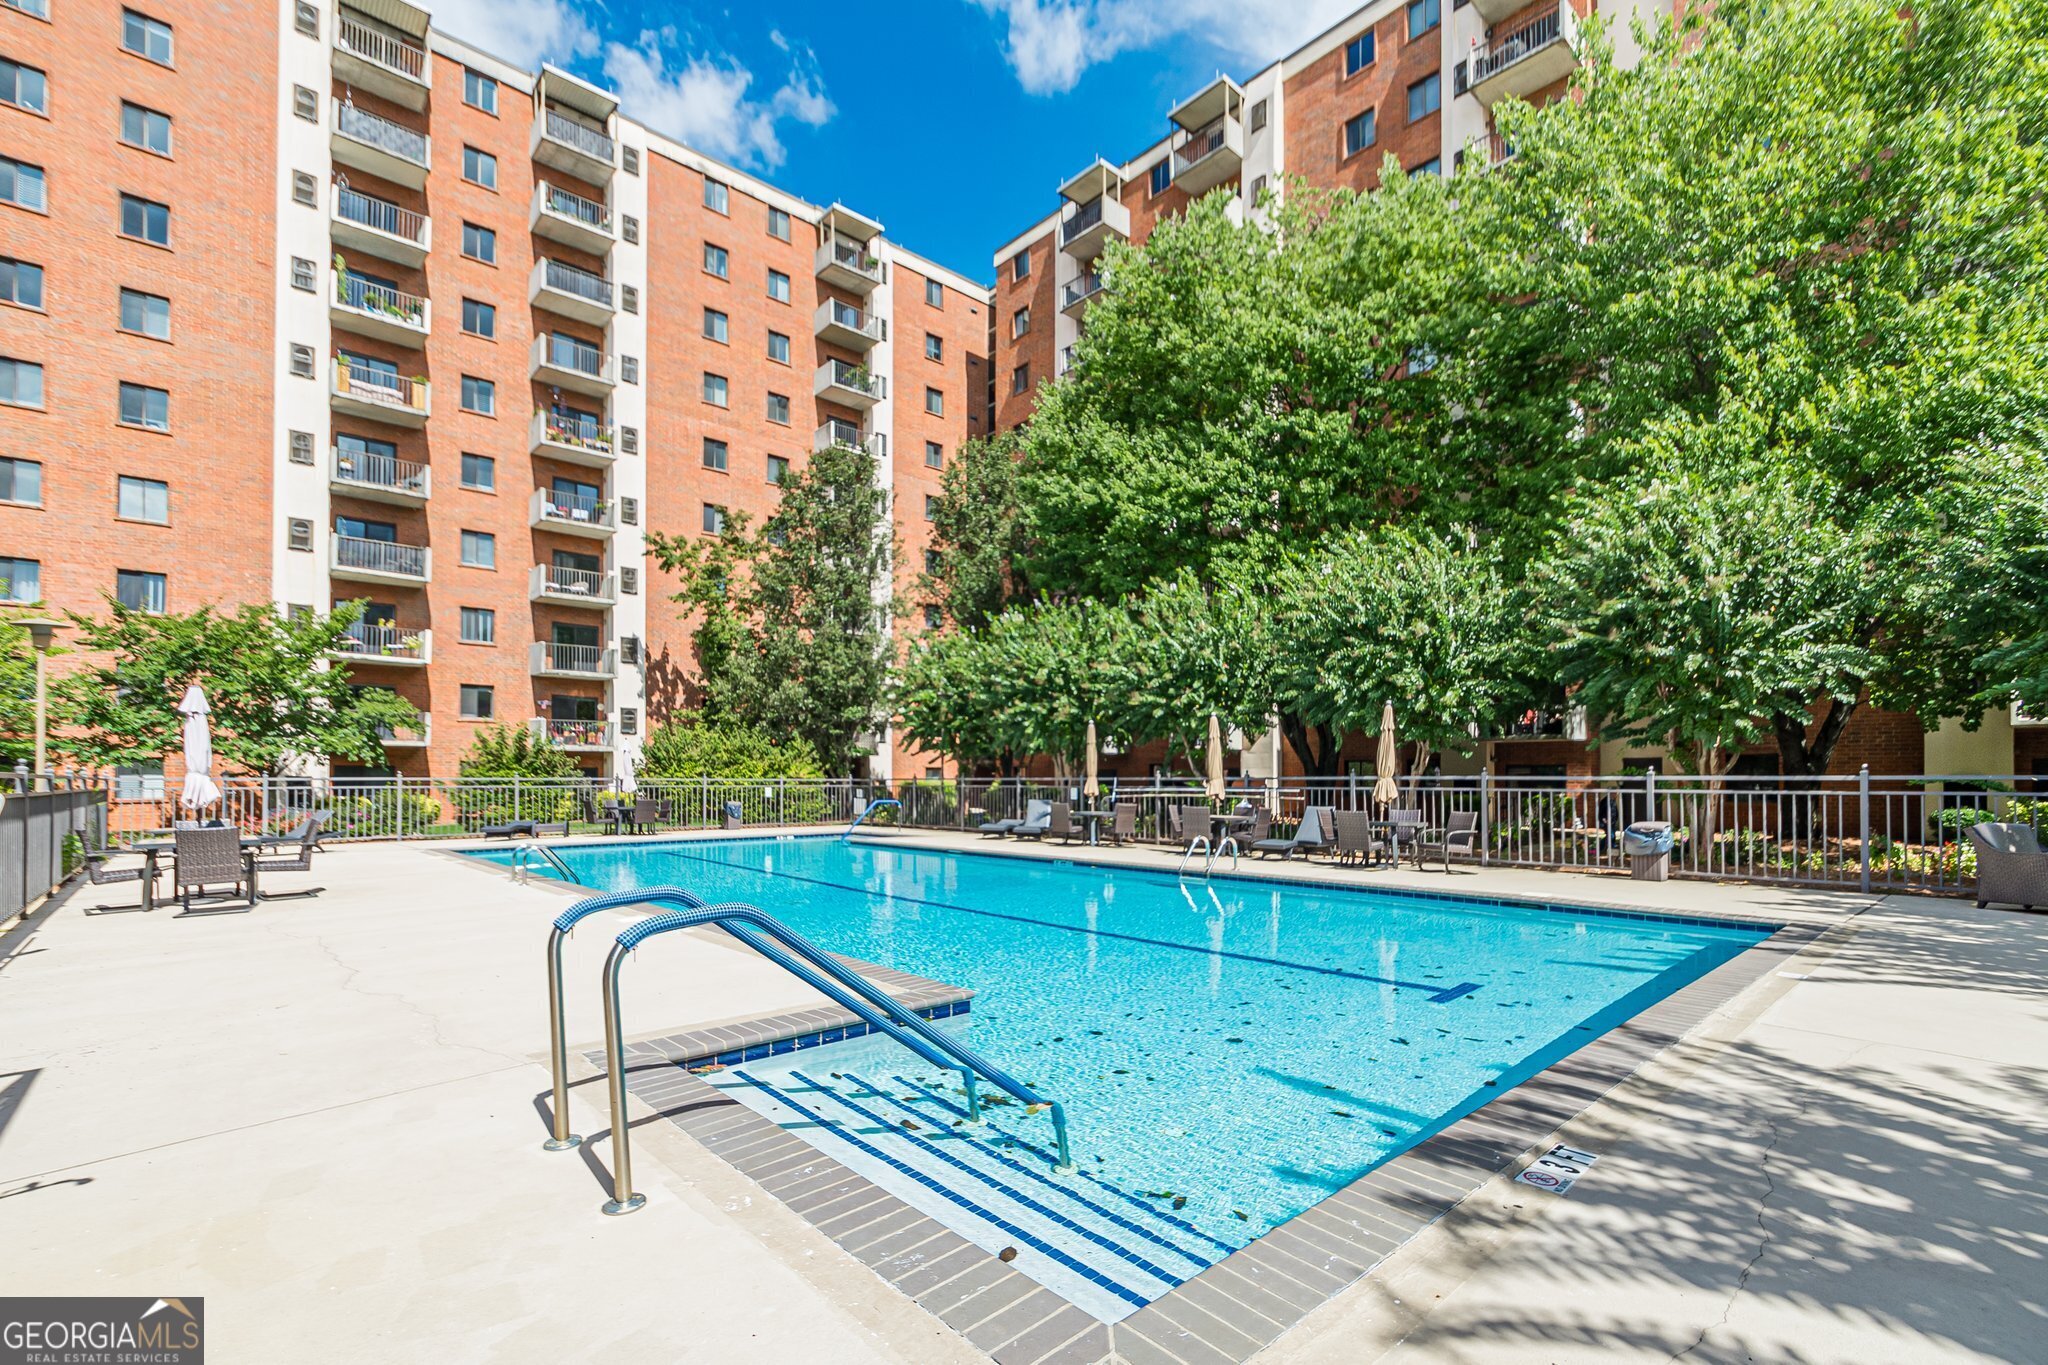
(953, 121)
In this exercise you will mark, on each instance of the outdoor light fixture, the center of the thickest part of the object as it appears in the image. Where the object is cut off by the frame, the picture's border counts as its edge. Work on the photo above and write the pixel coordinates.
(42, 633)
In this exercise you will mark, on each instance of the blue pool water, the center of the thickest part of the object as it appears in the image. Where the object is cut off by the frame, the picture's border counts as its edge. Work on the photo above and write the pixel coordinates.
(1248, 1046)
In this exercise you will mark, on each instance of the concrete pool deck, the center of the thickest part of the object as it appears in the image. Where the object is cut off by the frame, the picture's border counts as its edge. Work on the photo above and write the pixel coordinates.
(326, 1117)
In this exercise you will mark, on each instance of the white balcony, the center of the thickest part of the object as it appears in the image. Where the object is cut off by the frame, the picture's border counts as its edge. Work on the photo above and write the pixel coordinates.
(369, 393)
(385, 646)
(1538, 52)
(842, 324)
(379, 478)
(571, 291)
(1078, 293)
(378, 227)
(846, 263)
(572, 440)
(836, 432)
(546, 659)
(415, 736)
(360, 560)
(1087, 228)
(383, 148)
(576, 144)
(1493, 11)
(562, 215)
(375, 310)
(578, 366)
(576, 736)
(571, 587)
(572, 514)
(850, 386)
(1208, 141)
(371, 57)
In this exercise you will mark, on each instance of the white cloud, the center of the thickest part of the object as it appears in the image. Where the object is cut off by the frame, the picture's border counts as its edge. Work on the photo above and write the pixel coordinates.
(523, 32)
(702, 100)
(1052, 42)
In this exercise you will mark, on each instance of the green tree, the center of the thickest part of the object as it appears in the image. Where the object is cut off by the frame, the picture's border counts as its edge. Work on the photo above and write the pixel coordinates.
(273, 695)
(688, 745)
(791, 634)
(17, 695)
(977, 528)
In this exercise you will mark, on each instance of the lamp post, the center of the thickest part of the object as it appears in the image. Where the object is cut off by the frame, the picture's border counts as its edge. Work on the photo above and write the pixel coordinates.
(42, 634)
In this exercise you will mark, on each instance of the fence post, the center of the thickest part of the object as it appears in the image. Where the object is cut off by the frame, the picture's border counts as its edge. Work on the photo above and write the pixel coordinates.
(1863, 822)
(1650, 794)
(1485, 815)
(518, 811)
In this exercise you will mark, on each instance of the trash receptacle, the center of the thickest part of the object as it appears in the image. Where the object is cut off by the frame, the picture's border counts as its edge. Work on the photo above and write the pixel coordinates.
(733, 819)
(1648, 846)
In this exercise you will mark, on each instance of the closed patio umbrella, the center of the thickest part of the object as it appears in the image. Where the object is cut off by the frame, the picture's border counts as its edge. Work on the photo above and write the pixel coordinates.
(200, 790)
(1386, 763)
(1214, 785)
(1091, 785)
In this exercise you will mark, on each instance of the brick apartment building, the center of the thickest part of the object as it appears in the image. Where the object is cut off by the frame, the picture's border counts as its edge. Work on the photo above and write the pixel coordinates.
(310, 302)
(1415, 79)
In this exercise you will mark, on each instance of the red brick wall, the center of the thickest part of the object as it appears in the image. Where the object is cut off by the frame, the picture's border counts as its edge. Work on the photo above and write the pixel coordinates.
(1038, 292)
(1321, 99)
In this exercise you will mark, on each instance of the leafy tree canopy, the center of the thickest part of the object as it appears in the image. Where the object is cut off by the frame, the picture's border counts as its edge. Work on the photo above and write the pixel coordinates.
(509, 751)
(689, 745)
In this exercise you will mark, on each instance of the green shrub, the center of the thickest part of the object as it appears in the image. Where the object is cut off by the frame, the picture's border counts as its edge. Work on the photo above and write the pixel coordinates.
(511, 773)
(690, 746)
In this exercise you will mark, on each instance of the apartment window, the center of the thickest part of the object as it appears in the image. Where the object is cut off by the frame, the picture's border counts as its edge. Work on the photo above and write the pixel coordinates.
(1423, 15)
(1433, 166)
(931, 622)
(480, 549)
(24, 87)
(715, 391)
(934, 346)
(716, 196)
(21, 580)
(145, 128)
(22, 184)
(304, 189)
(778, 409)
(1162, 175)
(140, 591)
(1020, 379)
(306, 103)
(717, 327)
(21, 481)
(717, 262)
(1425, 97)
(935, 402)
(778, 470)
(302, 274)
(477, 703)
(714, 518)
(149, 314)
(480, 243)
(629, 298)
(480, 168)
(1360, 53)
(479, 319)
(629, 369)
(1258, 188)
(629, 226)
(21, 283)
(629, 159)
(142, 499)
(931, 561)
(479, 396)
(306, 19)
(1258, 120)
(935, 294)
(778, 348)
(479, 472)
(1020, 322)
(778, 286)
(21, 383)
(934, 455)
(479, 91)
(715, 454)
(1359, 133)
(1020, 266)
(146, 220)
(479, 626)
(629, 720)
(139, 781)
(931, 507)
(146, 37)
(143, 406)
(778, 223)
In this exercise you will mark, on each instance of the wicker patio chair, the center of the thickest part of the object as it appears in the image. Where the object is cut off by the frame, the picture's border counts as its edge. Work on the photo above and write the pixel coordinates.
(300, 859)
(99, 873)
(1123, 823)
(1355, 841)
(2012, 869)
(209, 857)
(1062, 825)
(1461, 832)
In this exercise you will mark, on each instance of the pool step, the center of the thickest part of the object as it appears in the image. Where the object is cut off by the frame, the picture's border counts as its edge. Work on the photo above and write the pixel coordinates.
(1099, 1247)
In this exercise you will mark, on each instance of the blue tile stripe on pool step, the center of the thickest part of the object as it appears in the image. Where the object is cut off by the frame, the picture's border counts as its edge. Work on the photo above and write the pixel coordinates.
(1039, 1178)
(1087, 1272)
(756, 1051)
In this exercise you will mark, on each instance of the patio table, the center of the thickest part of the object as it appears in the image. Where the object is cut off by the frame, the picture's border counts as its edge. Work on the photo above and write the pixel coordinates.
(1093, 819)
(153, 849)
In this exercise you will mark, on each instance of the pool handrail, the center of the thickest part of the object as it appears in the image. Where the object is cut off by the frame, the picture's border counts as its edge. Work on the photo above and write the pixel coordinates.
(831, 978)
(872, 807)
(524, 853)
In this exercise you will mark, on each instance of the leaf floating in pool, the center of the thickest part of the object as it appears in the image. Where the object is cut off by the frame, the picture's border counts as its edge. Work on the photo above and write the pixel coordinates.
(1007, 1254)
(911, 1125)
(1233, 1040)
(1119, 1072)
(837, 1077)
(1388, 1132)
(1180, 1201)
(1489, 1082)
(1343, 1113)
(1404, 1042)
(1239, 1215)
(1095, 1033)
(1034, 1108)
(959, 1123)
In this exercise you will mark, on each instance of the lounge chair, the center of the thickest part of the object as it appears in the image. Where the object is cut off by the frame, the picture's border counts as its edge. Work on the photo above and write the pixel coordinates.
(1037, 819)
(1461, 832)
(1355, 841)
(209, 857)
(1312, 835)
(1123, 823)
(2012, 869)
(1260, 828)
(1004, 826)
(300, 859)
(99, 874)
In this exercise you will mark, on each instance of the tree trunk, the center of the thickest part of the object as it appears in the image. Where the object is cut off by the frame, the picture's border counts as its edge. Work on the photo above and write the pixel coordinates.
(1304, 739)
(1803, 758)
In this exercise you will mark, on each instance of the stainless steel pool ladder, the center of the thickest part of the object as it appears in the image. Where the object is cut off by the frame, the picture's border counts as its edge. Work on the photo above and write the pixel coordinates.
(1209, 854)
(522, 862)
(873, 806)
(794, 954)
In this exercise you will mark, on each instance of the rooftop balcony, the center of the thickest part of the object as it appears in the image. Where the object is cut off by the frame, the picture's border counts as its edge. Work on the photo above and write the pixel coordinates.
(1078, 293)
(1539, 52)
(546, 659)
(364, 391)
(360, 560)
(572, 514)
(848, 263)
(569, 143)
(385, 646)
(371, 57)
(1208, 144)
(379, 478)
(571, 291)
(842, 324)
(1088, 228)
(562, 215)
(577, 736)
(571, 587)
(376, 310)
(378, 227)
(837, 432)
(572, 439)
(577, 366)
(849, 386)
(416, 736)
(372, 143)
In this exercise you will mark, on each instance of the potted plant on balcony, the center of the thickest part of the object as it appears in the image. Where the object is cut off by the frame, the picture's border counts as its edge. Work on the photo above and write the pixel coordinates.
(856, 378)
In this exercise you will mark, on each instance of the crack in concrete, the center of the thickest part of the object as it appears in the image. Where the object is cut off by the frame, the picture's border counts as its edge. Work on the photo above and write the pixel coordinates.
(1763, 1243)
(432, 1020)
